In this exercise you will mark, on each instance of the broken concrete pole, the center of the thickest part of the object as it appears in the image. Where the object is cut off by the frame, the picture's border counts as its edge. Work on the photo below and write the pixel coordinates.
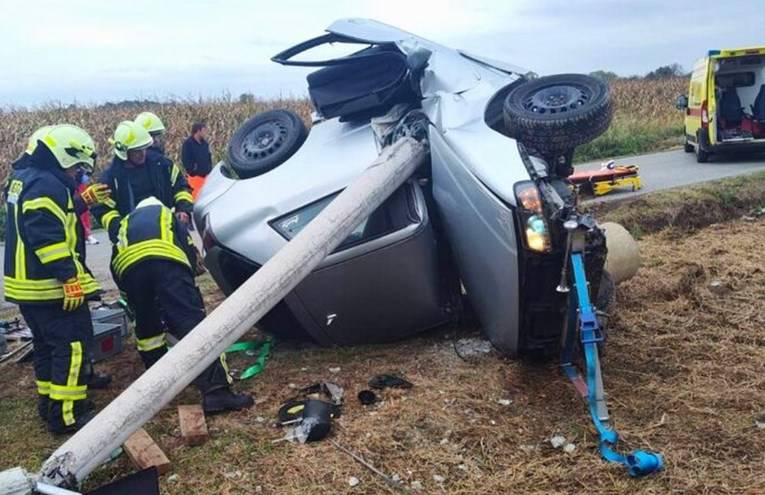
(89, 447)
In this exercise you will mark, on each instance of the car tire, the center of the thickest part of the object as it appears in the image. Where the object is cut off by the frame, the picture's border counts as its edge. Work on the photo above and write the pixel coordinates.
(265, 141)
(702, 155)
(687, 146)
(555, 114)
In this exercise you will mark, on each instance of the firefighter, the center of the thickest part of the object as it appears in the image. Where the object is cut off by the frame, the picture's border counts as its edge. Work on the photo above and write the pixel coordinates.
(45, 272)
(154, 262)
(135, 175)
(82, 201)
(156, 129)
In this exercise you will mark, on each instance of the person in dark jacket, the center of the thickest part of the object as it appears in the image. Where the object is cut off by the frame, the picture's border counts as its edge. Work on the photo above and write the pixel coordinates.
(136, 174)
(45, 272)
(154, 263)
(196, 157)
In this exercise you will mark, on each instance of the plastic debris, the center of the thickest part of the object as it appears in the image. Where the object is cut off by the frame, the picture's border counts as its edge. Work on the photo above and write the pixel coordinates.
(353, 481)
(471, 347)
(367, 397)
(760, 422)
(558, 441)
(504, 402)
(569, 448)
(389, 380)
(334, 370)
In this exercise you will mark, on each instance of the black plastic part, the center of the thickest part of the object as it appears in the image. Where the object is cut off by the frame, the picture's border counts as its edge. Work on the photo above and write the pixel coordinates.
(555, 114)
(265, 141)
(389, 380)
(367, 397)
(145, 482)
(366, 84)
(320, 413)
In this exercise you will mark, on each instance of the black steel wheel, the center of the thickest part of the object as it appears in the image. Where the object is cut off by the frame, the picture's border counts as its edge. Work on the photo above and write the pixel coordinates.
(265, 141)
(555, 114)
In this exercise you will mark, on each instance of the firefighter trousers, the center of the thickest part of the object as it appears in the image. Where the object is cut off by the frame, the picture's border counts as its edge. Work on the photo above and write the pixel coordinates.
(63, 343)
(164, 297)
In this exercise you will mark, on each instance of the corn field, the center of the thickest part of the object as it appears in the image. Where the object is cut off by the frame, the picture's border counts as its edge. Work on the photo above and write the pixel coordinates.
(645, 119)
(222, 117)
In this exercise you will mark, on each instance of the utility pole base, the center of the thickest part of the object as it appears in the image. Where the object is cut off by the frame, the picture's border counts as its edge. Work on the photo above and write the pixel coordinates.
(15, 481)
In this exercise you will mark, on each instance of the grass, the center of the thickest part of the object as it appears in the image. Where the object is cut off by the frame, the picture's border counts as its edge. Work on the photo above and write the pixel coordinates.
(689, 208)
(683, 369)
(630, 137)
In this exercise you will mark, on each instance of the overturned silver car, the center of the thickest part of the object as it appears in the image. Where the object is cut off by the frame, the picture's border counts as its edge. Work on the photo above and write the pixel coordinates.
(479, 228)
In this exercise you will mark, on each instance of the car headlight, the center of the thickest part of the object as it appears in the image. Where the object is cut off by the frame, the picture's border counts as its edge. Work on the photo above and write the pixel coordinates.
(536, 234)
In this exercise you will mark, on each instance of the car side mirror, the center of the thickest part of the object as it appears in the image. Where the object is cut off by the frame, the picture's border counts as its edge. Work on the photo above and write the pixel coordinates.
(682, 102)
(418, 60)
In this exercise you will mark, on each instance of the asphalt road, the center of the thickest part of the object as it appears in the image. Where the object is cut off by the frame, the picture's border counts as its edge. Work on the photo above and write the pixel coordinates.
(658, 171)
(669, 169)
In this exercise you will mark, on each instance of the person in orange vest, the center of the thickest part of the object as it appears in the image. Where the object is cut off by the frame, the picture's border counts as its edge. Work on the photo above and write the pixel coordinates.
(196, 157)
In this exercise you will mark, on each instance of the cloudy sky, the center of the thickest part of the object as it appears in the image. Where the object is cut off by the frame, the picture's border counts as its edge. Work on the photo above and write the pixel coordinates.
(94, 51)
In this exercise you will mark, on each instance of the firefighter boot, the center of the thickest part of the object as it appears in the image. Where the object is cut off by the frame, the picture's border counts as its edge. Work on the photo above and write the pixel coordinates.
(224, 399)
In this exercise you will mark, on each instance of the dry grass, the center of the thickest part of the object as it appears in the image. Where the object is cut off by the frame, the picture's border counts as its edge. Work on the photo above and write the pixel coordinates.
(689, 208)
(223, 117)
(684, 369)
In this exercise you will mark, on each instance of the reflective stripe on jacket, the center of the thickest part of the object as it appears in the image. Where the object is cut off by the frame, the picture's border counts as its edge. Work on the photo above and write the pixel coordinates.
(44, 239)
(151, 231)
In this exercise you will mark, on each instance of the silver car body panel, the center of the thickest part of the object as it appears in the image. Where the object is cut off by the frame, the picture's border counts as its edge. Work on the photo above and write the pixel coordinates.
(474, 171)
(332, 156)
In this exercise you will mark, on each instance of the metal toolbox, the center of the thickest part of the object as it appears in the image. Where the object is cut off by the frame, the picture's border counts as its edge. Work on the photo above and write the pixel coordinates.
(107, 340)
(111, 316)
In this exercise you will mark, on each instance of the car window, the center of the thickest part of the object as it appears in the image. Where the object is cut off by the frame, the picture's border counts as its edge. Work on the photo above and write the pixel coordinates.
(396, 212)
(735, 80)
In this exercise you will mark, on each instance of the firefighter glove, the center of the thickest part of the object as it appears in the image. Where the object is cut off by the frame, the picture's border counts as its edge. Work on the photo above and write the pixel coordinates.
(74, 296)
(96, 193)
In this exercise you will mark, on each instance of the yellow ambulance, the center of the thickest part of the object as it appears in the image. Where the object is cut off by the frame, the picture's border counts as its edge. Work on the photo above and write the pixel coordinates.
(725, 105)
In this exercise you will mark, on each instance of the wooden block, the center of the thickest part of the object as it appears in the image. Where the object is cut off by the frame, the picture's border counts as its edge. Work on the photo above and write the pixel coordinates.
(193, 424)
(144, 453)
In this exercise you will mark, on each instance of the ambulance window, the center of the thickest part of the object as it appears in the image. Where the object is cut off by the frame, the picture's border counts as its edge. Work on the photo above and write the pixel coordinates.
(735, 80)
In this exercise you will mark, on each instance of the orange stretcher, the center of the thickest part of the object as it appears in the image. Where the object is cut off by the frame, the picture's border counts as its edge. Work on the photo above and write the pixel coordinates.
(608, 178)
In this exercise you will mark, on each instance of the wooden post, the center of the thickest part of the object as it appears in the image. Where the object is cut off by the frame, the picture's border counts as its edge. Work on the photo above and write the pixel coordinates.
(193, 424)
(89, 447)
(145, 453)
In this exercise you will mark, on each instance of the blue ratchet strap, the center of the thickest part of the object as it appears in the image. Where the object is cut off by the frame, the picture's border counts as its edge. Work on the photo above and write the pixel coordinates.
(640, 462)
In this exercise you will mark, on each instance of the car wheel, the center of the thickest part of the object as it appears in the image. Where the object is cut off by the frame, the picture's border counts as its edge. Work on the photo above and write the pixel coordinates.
(555, 114)
(265, 141)
(702, 155)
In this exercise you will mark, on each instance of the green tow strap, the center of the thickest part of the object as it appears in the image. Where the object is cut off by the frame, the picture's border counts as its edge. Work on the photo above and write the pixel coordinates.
(261, 347)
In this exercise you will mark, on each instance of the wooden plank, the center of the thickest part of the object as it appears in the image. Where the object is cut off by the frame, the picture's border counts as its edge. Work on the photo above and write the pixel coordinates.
(193, 424)
(157, 386)
(145, 453)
